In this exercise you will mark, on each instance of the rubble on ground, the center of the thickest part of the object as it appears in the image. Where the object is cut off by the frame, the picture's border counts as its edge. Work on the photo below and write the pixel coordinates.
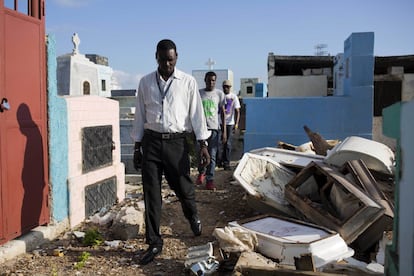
(346, 203)
(331, 205)
(345, 187)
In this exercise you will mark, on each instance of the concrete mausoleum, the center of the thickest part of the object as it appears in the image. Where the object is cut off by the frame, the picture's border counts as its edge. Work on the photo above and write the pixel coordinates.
(79, 74)
(86, 173)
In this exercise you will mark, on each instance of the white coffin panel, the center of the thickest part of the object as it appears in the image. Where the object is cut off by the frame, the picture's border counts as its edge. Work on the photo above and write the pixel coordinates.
(376, 156)
(285, 239)
(288, 157)
(265, 179)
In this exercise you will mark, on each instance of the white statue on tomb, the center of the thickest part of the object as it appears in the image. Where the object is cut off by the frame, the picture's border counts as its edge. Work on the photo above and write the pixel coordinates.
(76, 42)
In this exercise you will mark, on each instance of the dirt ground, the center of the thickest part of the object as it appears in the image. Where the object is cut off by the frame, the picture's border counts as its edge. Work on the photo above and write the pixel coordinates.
(63, 256)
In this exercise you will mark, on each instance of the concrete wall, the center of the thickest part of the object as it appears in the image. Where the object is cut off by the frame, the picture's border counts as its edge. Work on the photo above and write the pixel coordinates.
(406, 191)
(407, 93)
(377, 126)
(298, 86)
(270, 120)
(400, 253)
(58, 140)
(338, 75)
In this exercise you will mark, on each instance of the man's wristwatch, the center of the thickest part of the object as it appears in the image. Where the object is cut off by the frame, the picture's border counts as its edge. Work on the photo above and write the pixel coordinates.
(203, 143)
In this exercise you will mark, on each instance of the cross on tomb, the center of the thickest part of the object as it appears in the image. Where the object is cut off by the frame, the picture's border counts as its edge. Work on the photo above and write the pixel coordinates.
(210, 63)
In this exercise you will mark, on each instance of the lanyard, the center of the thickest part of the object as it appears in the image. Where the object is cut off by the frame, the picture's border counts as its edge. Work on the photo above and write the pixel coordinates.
(163, 94)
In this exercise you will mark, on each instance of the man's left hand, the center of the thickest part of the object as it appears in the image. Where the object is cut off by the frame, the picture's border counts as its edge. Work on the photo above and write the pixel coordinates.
(224, 138)
(204, 157)
(137, 156)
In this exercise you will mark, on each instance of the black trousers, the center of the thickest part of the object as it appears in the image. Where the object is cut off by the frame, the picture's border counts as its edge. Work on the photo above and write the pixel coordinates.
(171, 158)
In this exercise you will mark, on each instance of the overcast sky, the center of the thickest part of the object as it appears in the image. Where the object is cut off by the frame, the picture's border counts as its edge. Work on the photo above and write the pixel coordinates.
(237, 35)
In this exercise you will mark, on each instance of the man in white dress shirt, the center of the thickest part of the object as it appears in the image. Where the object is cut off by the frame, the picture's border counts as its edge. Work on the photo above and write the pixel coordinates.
(168, 108)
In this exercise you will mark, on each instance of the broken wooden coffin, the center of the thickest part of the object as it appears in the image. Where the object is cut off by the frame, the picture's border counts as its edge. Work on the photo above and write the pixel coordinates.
(288, 158)
(357, 172)
(288, 240)
(377, 156)
(264, 179)
(327, 198)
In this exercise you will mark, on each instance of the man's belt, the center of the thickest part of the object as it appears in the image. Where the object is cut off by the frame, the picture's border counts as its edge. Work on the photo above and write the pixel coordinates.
(165, 135)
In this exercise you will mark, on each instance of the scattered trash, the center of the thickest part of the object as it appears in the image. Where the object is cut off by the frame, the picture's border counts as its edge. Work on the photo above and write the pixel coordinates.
(235, 239)
(199, 253)
(104, 219)
(39, 252)
(200, 260)
(205, 267)
(78, 235)
(58, 252)
(113, 244)
(352, 266)
(253, 263)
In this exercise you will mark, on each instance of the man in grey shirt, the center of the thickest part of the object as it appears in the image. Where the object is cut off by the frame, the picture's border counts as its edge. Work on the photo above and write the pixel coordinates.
(213, 103)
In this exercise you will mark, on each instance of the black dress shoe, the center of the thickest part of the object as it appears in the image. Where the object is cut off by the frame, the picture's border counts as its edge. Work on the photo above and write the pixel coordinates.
(149, 255)
(196, 226)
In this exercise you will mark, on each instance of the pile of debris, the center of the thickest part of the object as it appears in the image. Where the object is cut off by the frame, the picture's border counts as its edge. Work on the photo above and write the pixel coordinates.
(328, 207)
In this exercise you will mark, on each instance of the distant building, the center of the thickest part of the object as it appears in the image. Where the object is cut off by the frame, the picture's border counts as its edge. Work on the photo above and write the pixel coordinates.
(282, 118)
(248, 87)
(299, 76)
(322, 76)
(79, 74)
(222, 75)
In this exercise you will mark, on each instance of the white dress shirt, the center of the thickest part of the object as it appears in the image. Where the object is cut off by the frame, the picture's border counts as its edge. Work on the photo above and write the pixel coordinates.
(172, 106)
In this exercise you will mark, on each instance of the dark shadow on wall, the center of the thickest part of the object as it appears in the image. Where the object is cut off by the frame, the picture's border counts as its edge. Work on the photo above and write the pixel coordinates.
(33, 171)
